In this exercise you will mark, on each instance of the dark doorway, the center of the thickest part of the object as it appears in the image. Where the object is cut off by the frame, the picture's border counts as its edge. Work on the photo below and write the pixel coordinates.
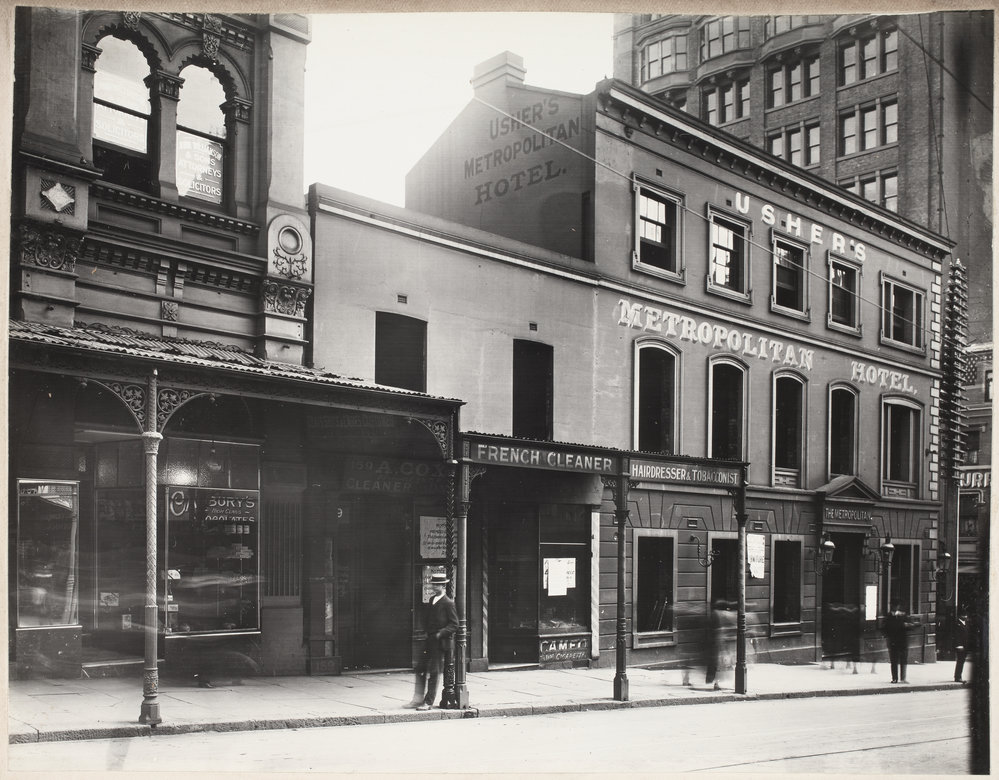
(842, 598)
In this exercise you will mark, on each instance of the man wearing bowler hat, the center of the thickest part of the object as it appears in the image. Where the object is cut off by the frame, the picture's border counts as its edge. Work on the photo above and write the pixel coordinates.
(441, 622)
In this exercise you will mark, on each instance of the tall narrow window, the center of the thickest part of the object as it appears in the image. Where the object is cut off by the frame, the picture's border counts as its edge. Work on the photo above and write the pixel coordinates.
(654, 582)
(789, 277)
(727, 411)
(201, 136)
(786, 582)
(842, 431)
(728, 255)
(902, 309)
(121, 115)
(900, 448)
(656, 407)
(657, 228)
(844, 286)
(788, 421)
(400, 351)
(533, 384)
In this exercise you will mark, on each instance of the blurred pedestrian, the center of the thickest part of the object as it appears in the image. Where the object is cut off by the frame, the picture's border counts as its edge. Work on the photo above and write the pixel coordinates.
(441, 624)
(896, 630)
(959, 636)
(718, 642)
(691, 651)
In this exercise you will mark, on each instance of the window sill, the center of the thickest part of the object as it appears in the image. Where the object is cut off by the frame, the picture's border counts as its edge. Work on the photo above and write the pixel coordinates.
(849, 330)
(785, 629)
(844, 157)
(653, 270)
(725, 292)
(652, 639)
(796, 314)
(903, 346)
(791, 104)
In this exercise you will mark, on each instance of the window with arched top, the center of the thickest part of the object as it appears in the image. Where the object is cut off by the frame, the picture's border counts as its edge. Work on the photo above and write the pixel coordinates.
(842, 431)
(656, 400)
(789, 427)
(727, 416)
(202, 136)
(122, 112)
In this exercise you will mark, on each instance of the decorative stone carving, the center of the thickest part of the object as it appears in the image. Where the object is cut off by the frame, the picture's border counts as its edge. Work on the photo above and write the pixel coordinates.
(169, 311)
(211, 36)
(49, 248)
(166, 85)
(284, 298)
(58, 197)
(290, 246)
(131, 19)
(88, 58)
(240, 109)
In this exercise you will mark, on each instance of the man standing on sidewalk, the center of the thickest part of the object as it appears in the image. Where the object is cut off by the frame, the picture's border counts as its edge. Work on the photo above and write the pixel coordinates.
(960, 638)
(441, 623)
(897, 636)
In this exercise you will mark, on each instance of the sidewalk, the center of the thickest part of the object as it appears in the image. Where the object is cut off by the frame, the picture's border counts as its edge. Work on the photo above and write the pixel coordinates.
(54, 710)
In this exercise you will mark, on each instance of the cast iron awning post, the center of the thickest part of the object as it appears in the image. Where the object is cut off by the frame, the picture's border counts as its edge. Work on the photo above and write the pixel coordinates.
(461, 640)
(740, 638)
(621, 514)
(150, 710)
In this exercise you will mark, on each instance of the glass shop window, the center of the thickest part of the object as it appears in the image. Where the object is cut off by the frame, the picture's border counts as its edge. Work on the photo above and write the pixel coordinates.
(201, 136)
(565, 568)
(904, 585)
(48, 521)
(654, 584)
(122, 114)
(211, 560)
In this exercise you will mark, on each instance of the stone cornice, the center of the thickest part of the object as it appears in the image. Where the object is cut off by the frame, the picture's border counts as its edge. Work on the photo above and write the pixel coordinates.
(743, 160)
(155, 205)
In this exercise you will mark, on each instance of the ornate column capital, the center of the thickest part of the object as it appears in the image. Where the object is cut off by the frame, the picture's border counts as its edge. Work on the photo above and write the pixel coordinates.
(284, 298)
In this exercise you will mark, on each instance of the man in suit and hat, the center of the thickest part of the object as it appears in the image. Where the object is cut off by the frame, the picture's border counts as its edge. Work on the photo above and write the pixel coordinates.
(441, 622)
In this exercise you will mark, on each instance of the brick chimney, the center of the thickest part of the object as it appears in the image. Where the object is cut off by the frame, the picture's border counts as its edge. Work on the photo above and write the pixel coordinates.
(495, 74)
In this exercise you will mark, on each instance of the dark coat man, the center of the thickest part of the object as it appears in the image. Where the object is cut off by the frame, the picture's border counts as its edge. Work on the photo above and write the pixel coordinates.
(441, 623)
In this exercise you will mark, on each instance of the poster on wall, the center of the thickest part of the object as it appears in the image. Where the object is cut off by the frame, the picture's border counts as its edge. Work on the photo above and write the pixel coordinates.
(871, 602)
(756, 555)
(199, 167)
(559, 575)
(433, 537)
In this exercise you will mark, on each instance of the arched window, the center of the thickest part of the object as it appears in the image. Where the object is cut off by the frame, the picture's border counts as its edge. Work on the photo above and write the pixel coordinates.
(656, 401)
(121, 115)
(789, 424)
(727, 404)
(842, 431)
(201, 136)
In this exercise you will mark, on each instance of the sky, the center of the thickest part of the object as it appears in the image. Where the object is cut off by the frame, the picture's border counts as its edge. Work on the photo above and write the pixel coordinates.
(381, 88)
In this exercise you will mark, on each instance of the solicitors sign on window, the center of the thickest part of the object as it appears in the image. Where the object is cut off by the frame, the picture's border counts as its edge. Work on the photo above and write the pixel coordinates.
(211, 563)
(199, 167)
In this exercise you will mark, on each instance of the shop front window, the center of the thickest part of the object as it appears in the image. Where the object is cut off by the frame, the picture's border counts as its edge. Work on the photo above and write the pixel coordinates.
(211, 563)
(654, 582)
(48, 521)
(787, 582)
(565, 563)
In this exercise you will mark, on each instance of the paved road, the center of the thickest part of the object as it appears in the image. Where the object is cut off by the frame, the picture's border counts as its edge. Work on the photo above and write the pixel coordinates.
(917, 733)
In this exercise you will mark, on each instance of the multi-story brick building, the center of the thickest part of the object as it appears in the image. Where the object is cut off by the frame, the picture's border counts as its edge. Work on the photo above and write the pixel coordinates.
(161, 270)
(635, 307)
(897, 109)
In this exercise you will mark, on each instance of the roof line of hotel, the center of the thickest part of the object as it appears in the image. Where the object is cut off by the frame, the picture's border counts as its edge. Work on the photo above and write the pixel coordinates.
(455, 242)
(616, 90)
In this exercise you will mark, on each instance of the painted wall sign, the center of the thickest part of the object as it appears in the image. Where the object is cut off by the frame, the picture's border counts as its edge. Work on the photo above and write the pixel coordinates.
(683, 473)
(387, 475)
(680, 326)
(844, 514)
(981, 478)
(564, 649)
(538, 126)
(540, 458)
(795, 226)
(199, 167)
(866, 374)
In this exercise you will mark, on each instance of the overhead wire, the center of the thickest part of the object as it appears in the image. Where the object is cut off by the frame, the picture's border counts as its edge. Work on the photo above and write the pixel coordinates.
(923, 329)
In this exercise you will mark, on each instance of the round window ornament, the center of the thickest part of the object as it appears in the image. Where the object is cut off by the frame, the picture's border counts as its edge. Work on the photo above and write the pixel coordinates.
(290, 240)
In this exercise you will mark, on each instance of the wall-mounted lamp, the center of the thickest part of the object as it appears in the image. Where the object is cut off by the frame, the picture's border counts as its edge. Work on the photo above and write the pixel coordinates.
(882, 554)
(944, 560)
(709, 555)
(824, 555)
